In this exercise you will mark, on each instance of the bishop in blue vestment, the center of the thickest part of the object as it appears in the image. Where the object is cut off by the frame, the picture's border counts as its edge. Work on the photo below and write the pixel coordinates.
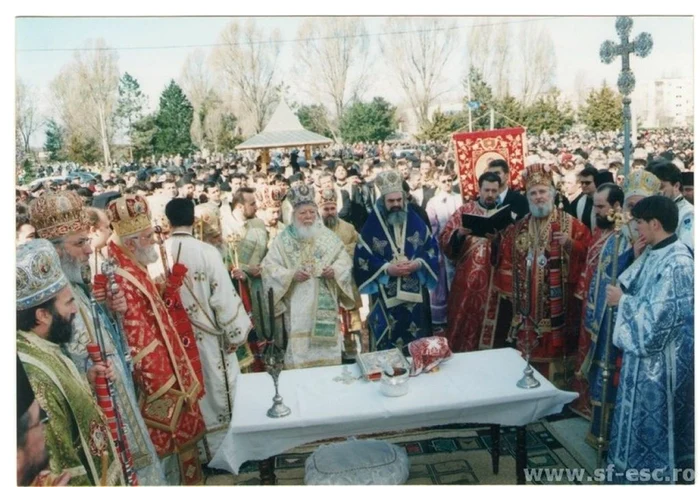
(396, 263)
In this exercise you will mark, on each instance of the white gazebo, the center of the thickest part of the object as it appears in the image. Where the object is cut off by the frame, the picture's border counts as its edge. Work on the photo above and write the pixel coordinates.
(283, 130)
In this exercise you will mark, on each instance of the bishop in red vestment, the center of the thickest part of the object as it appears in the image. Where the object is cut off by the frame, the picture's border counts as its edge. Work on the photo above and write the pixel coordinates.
(541, 258)
(163, 373)
(471, 304)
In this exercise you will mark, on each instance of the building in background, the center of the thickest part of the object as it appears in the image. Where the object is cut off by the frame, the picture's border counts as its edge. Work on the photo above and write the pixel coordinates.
(664, 103)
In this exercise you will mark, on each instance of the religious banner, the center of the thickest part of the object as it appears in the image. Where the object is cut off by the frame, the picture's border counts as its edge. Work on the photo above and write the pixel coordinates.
(475, 150)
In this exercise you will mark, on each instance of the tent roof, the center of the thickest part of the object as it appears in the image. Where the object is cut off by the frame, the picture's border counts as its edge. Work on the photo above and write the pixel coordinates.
(284, 130)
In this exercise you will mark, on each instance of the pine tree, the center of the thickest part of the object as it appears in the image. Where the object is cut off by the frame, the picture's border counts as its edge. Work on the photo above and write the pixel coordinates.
(143, 137)
(315, 119)
(54, 141)
(602, 111)
(368, 121)
(441, 126)
(549, 113)
(509, 112)
(130, 106)
(482, 95)
(173, 122)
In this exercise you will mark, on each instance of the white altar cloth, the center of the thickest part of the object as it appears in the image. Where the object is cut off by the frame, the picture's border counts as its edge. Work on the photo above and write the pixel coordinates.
(474, 387)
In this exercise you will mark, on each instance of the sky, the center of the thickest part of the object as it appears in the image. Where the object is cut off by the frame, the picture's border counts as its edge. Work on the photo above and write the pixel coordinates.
(576, 40)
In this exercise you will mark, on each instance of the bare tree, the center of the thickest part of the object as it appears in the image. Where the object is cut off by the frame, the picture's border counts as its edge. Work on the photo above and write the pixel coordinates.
(479, 46)
(246, 59)
(198, 85)
(98, 74)
(539, 61)
(581, 88)
(418, 55)
(488, 50)
(333, 62)
(27, 119)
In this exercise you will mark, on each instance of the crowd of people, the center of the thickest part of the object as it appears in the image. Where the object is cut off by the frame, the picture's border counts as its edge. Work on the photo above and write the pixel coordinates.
(142, 292)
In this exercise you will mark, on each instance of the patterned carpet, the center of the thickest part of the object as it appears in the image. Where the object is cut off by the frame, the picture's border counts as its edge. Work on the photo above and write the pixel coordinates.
(455, 454)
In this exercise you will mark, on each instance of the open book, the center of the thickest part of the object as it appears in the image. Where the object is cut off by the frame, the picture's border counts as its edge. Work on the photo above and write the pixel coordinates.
(482, 225)
(371, 364)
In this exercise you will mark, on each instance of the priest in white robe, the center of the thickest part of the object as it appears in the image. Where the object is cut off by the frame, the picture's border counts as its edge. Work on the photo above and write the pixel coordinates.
(310, 273)
(216, 312)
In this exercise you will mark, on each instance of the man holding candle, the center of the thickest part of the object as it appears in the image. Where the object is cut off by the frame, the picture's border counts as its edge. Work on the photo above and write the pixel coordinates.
(310, 273)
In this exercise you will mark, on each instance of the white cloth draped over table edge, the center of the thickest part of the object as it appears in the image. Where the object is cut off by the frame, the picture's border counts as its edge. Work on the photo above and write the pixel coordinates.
(475, 387)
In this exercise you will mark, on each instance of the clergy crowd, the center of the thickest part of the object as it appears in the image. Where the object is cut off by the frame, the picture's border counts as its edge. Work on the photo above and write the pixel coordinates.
(143, 293)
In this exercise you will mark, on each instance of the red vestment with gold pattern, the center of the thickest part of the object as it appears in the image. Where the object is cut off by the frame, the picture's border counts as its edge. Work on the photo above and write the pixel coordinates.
(546, 295)
(168, 386)
(472, 301)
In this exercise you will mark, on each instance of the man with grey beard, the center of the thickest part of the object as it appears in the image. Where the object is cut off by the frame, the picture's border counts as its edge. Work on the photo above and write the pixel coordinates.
(310, 273)
(60, 218)
(540, 260)
(163, 371)
(396, 263)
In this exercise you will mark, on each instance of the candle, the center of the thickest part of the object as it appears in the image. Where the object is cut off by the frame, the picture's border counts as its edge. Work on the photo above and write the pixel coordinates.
(271, 306)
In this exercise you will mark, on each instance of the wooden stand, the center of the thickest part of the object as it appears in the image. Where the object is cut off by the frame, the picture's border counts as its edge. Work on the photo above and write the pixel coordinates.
(267, 471)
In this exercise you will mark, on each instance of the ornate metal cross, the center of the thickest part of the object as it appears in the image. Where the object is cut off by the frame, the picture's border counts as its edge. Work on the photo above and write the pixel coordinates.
(641, 46)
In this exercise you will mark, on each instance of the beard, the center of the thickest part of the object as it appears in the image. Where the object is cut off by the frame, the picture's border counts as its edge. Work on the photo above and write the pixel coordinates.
(34, 466)
(541, 211)
(396, 216)
(305, 232)
(330, 221)
(603, 223)
(61, 330)
(488, 206)
(72, 267)
(146, 255)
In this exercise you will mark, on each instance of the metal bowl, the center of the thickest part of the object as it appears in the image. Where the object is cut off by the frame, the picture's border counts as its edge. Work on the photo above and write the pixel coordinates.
(395, 386)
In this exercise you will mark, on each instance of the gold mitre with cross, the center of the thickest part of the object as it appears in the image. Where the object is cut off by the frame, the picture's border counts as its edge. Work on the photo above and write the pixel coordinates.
(389, 182)
(641, 183)
(129, 215)
(301, 195)
(39, 273)
(326, 197)
(207, 222)
(538, 174)
(55, 215)
(270, 196)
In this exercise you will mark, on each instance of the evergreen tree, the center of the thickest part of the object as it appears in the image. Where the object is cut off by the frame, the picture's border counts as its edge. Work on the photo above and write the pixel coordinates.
(54, 141)
(143, 137)
(549, 113)
(173, 122)
(481, 95)
(228, 138)
(315, 119)
(130, 106)
(602, 111)
(441, 127)
(368, 121)
(509, 112)
(83, 151)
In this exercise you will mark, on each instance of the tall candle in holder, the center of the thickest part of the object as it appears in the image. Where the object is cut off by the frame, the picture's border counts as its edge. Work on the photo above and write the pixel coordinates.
(274, 361)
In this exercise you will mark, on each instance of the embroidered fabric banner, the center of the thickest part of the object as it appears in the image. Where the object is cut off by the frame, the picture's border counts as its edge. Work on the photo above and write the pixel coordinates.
(475, 150)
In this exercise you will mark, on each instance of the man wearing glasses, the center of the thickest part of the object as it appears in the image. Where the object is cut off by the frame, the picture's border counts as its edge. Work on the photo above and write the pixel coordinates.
(582, 207)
